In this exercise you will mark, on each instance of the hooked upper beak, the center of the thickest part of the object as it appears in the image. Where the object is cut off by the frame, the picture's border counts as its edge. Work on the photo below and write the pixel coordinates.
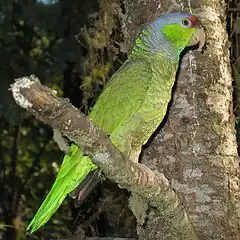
(198, 37)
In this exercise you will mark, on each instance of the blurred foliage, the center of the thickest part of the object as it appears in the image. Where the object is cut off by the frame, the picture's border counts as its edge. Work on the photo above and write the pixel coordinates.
(73, 47)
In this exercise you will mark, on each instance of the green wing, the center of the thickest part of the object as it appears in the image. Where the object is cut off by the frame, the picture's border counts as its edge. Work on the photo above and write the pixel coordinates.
(122, 96)
(121, 100)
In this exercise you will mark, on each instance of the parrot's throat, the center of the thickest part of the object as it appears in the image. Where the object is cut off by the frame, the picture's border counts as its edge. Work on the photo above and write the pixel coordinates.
(150, 42)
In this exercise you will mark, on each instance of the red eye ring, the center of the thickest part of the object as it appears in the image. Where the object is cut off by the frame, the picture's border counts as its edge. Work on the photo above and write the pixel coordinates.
(186, 23)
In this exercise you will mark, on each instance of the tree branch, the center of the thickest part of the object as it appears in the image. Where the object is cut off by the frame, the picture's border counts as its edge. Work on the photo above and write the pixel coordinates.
(61, 115)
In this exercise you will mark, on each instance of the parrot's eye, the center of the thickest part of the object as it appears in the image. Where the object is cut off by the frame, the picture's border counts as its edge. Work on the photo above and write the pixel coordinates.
(186, 23)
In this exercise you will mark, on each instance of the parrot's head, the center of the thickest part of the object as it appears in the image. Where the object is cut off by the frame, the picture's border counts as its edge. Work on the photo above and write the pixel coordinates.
(171, 34)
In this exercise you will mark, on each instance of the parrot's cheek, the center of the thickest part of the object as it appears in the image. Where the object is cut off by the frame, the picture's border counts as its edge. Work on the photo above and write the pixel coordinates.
(198, 38)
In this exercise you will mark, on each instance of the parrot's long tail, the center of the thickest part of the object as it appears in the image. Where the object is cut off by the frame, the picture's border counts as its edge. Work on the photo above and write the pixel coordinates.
(74, 169)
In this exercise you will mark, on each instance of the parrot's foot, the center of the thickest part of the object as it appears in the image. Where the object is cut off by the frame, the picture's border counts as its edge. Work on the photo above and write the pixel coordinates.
(60, 140)
(139, 207)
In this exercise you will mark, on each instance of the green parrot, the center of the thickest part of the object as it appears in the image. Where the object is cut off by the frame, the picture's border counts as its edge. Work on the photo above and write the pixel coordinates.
(132, 105)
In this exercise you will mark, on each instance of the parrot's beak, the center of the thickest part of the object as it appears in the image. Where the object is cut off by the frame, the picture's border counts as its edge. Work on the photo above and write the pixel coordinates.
(198, 38)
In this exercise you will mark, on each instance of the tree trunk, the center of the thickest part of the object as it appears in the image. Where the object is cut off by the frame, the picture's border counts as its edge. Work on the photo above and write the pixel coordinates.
(197, 144)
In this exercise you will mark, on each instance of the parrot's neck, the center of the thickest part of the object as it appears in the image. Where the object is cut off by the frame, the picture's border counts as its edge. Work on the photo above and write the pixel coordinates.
(152, 42)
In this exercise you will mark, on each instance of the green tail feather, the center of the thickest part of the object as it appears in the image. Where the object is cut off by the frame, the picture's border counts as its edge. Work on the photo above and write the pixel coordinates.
(74, 169)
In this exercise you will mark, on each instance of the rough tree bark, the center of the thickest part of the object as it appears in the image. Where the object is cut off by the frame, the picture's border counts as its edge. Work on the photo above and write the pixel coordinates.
(196, 148)
(198, 141)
